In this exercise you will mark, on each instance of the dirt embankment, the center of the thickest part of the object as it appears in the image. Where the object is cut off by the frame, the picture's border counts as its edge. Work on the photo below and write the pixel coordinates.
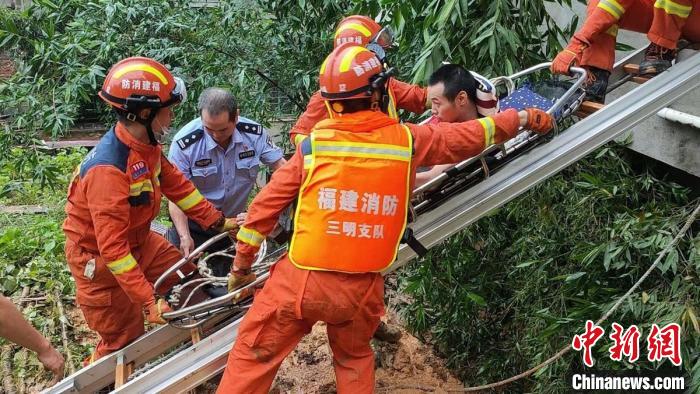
(408, 366)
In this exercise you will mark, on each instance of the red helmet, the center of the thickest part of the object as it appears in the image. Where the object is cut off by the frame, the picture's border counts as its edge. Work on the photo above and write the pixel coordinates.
(362, 30)
(347, 73)
(137, 83)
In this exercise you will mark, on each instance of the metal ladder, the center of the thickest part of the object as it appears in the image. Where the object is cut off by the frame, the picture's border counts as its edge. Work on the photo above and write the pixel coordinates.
(195, 364)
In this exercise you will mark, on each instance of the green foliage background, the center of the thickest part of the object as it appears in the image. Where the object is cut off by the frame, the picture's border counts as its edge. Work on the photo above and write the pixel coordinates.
(495, 299)
(511, 290)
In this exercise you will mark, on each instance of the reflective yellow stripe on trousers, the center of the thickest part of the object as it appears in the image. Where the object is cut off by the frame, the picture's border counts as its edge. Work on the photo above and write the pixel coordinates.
(673, 8)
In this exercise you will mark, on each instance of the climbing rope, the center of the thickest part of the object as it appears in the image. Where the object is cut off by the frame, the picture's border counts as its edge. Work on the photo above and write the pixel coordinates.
(567, 348)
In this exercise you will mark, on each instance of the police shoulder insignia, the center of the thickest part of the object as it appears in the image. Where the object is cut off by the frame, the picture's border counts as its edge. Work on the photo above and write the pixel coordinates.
(250, 128)
(190, 139)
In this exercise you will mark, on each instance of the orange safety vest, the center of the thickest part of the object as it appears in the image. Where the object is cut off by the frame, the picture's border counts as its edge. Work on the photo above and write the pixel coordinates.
(352, 207)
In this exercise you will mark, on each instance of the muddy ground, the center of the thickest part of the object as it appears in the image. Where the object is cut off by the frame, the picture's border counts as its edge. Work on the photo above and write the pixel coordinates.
(408, 366)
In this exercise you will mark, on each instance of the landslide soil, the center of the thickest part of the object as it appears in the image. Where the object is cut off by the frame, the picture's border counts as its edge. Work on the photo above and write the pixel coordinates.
(408, 366)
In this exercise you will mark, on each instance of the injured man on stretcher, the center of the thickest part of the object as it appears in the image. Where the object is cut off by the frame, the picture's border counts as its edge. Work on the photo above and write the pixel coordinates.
(456, 95)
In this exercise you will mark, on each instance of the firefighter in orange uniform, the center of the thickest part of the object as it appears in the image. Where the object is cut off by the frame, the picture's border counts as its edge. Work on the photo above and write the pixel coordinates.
(352, 179)
(362, 30)
(593, 46)
(114, 196)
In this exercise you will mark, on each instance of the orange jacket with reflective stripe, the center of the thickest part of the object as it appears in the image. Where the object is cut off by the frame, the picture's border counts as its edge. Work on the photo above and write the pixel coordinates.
(403, 95)
(115, 195)
(346, 220)
(605, 16)
(441, 143)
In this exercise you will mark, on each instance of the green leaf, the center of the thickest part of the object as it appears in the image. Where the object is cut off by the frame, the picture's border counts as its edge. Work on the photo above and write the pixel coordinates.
(9, 284)
(573, 277)
(479, 300)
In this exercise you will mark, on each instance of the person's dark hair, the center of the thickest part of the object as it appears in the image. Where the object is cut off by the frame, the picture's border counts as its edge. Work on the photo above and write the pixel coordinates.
(216, 101)
(456, 79)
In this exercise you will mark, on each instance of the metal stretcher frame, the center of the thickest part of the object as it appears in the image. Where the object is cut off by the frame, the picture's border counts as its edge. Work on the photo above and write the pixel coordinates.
(192, 316)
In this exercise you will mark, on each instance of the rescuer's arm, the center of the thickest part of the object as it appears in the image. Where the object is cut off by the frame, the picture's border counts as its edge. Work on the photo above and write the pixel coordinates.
(445, 143)
(178, 189)
(107, 191)
(409, 97)
(315, 111)
(265, 209)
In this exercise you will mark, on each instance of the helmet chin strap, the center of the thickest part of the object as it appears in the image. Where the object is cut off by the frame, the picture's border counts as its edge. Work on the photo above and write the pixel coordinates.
(149, 127)
(147, 122)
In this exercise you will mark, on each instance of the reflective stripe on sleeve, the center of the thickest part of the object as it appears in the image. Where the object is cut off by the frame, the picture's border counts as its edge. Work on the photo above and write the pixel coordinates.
(123, 265)
(250, 236)
(299, 138)
(137, 188)
(190, 201)
(489, 130)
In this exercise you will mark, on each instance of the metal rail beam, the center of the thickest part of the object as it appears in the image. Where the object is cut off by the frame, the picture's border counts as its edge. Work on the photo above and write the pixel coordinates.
(189, 368)
(101, 373)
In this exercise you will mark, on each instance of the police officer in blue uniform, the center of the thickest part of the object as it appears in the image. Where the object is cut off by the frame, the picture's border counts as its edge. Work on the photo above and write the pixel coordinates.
(221, 153)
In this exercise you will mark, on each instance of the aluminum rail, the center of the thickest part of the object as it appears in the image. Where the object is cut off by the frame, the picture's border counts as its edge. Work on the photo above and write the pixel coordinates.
(203, 361)
(101, 373)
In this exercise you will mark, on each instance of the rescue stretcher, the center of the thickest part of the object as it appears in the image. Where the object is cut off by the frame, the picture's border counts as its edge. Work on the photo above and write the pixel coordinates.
(202, 295)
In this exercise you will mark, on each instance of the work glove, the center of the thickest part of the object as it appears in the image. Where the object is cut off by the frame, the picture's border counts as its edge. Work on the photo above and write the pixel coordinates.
(538, 121)
(568, 57)
(154, 310)
(238, 279)
(225, 224)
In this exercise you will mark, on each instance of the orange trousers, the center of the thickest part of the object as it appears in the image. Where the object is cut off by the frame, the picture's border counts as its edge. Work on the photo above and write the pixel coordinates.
(289, 304)
(106, 307)
(643, 17)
